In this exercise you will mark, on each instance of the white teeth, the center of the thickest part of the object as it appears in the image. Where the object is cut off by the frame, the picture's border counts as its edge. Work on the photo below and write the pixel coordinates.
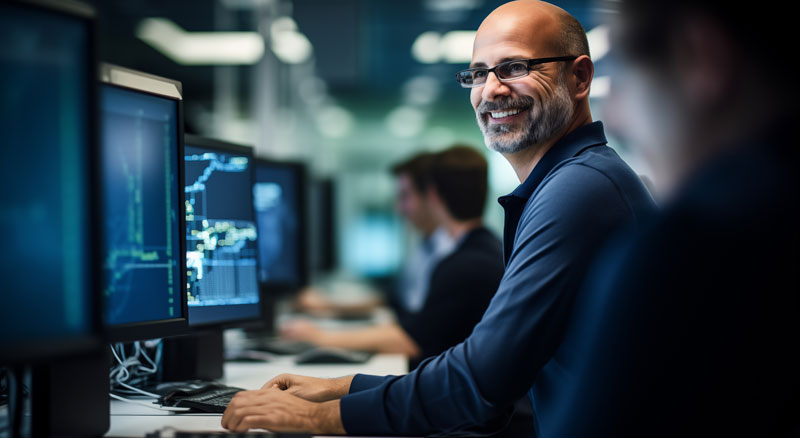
(500, 115)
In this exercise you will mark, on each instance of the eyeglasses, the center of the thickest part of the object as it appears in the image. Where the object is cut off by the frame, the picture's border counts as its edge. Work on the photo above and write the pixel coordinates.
(505, 71)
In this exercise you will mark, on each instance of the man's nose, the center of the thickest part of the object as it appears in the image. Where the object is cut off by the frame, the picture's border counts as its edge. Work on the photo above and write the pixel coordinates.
(493, 88)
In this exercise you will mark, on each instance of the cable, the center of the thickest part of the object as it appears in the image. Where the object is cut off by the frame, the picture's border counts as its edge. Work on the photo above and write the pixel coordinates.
(149, 405)
(140, 391)
(130, 371)
(143, 353)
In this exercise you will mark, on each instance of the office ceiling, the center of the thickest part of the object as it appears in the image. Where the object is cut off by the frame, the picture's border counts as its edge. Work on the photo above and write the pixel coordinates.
(362, 48)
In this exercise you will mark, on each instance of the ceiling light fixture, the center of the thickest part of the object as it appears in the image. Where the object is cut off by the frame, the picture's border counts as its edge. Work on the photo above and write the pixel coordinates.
(601, 87)
(201, 48)
(599, 41)
(288, 44)
(454, 47)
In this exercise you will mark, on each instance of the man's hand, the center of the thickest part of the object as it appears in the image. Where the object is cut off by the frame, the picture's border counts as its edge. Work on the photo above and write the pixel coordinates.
(300, 330)
(313, 301)
(311, 388)
(281, 411)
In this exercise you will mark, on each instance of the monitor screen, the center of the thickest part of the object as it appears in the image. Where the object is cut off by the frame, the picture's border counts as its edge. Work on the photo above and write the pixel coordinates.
(141, 162)
(46, 208)
(221, 258)
(279, 201)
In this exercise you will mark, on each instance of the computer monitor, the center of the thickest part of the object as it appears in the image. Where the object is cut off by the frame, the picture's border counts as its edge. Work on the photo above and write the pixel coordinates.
(221, 255)
(280, 205)
(323, 226)
(49, 298)
(142, 192)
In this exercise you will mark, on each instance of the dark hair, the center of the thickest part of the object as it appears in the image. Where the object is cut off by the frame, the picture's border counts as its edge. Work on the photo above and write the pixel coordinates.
(572, 40)
(459, 175)
(418, 169)
(647, 27)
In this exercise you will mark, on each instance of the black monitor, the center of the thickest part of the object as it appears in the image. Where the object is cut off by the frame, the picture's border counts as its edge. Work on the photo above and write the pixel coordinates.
(142, 164)
(323, 226)
(49, 205)
(280, 205)
(221, 255)
(48, 298)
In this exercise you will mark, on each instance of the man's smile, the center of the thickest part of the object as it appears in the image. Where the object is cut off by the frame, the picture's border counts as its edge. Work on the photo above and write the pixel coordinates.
(504, 115)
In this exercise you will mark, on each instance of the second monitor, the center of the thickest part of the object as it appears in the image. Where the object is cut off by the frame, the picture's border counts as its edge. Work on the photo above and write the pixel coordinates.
(221, 257)
(279, 200)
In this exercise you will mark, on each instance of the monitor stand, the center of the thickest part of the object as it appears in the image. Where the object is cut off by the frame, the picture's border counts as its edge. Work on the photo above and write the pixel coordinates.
(264, 327)
(199, 356)
(69, 396)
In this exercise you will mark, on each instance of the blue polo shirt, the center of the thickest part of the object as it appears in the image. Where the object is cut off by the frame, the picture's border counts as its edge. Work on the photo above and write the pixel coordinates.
(578, 194)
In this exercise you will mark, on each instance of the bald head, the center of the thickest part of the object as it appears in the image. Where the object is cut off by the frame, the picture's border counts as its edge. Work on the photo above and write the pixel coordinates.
(549, 29)
(523, 115)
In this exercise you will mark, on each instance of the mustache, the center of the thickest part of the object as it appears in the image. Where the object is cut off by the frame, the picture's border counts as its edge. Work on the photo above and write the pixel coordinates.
(521, 102)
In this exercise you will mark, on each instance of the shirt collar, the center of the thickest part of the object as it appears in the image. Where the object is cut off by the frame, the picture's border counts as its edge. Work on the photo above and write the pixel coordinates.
(569, 146)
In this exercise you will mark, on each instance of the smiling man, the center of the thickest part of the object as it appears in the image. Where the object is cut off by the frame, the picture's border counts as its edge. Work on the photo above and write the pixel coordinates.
(530, 78)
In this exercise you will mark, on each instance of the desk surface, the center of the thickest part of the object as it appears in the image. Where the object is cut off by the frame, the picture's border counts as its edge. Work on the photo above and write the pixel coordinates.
(130, 420)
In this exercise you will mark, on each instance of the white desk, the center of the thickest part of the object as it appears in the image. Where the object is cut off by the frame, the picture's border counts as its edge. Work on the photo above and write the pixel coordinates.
(129, 420)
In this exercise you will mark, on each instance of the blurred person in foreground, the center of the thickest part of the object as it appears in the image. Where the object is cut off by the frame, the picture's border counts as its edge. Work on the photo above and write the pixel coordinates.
(691, 327)
(529, 82)
(412, 177)
(461, 283)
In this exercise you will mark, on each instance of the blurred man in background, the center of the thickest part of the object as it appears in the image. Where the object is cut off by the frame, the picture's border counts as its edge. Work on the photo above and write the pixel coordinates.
(412, 178)
(460, 284)
(692, 326)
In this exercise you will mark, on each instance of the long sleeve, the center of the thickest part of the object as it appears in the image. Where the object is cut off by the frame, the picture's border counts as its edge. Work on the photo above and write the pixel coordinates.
(477, 381)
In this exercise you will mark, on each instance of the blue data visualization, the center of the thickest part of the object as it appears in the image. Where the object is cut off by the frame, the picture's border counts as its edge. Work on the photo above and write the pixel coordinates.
(141, 165)
(221, 257)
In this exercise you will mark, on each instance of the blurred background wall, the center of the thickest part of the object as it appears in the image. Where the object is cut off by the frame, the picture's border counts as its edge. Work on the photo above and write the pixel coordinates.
(347, 86)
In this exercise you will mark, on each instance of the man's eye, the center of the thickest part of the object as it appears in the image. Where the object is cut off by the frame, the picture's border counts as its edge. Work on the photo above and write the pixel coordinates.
(478, 74)
(517, 68)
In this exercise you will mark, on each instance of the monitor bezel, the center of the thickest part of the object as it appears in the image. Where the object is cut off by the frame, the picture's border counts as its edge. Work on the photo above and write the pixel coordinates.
(225, 146)
(164, 327)
(39, 351)
(300, 172)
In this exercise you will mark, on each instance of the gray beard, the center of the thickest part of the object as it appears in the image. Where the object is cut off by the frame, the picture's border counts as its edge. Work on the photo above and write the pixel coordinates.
(545, 119)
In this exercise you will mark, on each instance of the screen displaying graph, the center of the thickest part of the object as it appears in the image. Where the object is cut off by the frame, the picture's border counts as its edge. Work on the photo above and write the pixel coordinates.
(221, 257)
(141, 199)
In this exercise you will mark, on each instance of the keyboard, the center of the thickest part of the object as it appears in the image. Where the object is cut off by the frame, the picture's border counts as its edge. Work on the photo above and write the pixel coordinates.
(208, 397)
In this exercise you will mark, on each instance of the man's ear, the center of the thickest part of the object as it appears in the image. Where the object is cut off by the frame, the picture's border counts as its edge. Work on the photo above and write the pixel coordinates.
(582, 72)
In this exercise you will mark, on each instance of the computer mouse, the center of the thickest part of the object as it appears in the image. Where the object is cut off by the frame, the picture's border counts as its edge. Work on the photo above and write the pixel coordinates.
(329, 355)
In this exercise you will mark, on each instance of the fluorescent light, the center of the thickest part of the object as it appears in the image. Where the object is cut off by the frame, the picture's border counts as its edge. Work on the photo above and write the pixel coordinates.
(292, 47)
(450, 5)
(456, 46)
(334, 121)
(426, 48)
(405, 121)
(201, 48)
(599, 41)
(289, 45)
(601, 87)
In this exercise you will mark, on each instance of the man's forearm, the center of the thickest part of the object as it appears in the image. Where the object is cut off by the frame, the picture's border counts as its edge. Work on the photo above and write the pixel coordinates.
(389, 338)
(340, 387)
(328, 418)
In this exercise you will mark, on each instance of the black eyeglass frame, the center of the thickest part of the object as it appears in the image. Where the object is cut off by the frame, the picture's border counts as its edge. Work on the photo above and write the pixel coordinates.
(529, 63)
